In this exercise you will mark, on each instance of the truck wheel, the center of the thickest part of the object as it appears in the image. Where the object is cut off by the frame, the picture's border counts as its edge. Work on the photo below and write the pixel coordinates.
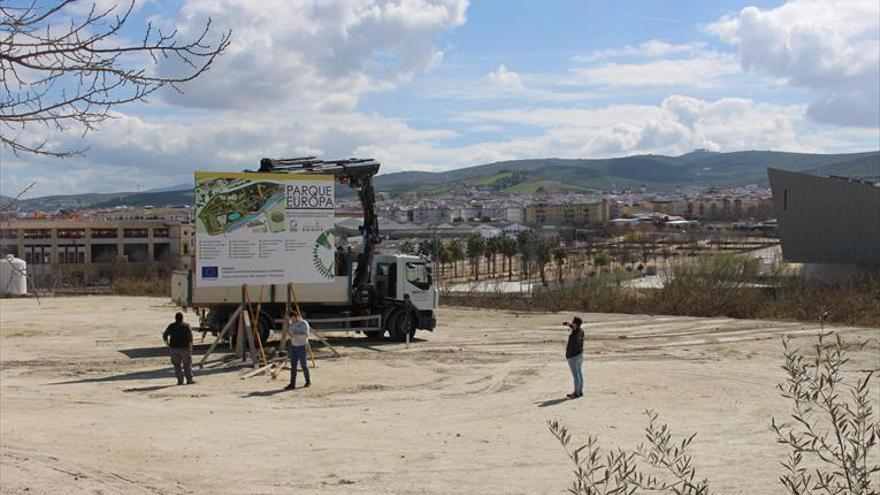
(402, 323)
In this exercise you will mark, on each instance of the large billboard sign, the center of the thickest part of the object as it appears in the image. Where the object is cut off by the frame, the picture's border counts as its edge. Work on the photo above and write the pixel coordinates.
(262, 228)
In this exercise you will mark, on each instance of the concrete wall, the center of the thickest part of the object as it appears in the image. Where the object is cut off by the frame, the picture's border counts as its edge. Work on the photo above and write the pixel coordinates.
(826, 220)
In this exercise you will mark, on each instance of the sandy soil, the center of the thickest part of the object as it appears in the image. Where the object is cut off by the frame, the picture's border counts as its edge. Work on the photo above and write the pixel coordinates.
(88, 404)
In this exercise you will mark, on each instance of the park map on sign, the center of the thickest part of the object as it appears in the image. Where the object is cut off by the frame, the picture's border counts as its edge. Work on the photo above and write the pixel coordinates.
(227, 204)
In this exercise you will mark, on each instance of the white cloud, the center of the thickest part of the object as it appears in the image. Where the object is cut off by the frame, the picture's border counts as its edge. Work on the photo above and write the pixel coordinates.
(649, 49)
(505, 79)
(132, 151)
(149, 152)
(703, 70)
(678, 125)
(656, 63)
(831, 47)
(302, 53)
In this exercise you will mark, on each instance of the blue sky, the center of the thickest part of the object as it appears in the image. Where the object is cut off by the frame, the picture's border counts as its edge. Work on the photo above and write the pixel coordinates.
(441, 84)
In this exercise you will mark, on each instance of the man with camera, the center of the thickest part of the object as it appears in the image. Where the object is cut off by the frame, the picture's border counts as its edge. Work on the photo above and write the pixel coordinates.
(574, 354)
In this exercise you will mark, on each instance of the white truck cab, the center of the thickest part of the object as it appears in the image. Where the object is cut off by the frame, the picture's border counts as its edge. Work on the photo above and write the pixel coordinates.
(402, 277)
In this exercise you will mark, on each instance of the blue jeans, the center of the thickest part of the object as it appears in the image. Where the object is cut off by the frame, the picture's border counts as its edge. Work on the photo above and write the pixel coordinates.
(577, 373)
(298, 354)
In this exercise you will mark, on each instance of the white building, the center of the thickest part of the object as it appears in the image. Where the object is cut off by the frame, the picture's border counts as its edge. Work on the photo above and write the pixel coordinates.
(515, 229)
(488, 232)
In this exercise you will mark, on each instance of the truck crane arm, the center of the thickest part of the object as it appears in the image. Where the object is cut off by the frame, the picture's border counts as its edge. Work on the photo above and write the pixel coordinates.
(358, 174)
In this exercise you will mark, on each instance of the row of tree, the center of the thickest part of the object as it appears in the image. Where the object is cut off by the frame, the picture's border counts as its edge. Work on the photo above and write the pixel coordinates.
(534, 252)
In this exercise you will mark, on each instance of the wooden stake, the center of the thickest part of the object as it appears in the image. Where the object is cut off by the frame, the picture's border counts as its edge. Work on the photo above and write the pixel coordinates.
(220, 336)
(324, 341)
(283, 366)
(239, 335)
(311, 354)
(256, 321)
(257, 371)
(248, 330)
(263, 369)
(285, 326)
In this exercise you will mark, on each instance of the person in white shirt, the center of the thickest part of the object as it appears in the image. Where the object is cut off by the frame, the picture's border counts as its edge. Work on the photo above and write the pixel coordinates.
(298, 333)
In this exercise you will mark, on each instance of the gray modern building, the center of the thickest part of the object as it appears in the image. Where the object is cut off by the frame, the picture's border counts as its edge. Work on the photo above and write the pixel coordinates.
(830, 224)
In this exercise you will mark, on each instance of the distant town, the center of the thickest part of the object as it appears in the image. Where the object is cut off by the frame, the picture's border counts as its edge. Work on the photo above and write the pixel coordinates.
(541, 217)
(90, 242)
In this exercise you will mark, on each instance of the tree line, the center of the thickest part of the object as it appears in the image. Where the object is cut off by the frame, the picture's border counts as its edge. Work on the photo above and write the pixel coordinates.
(534, 253)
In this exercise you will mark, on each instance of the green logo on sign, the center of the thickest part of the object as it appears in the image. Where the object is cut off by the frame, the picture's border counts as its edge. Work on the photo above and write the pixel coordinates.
(323, 254)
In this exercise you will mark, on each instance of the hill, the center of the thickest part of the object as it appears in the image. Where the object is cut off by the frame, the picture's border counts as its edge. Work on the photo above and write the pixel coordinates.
(699, 168)
(159, 198)
(67, 201)
(176, 187)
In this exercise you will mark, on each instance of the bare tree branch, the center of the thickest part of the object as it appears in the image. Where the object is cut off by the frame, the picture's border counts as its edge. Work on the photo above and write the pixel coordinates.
(60, 72)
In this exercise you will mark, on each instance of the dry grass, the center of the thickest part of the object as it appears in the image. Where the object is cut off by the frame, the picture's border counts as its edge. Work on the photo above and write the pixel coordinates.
(148, 286)
(722, 285)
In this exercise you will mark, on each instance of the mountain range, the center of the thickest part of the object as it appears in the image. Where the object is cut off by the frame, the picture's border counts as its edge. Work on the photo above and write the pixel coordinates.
(656, 172)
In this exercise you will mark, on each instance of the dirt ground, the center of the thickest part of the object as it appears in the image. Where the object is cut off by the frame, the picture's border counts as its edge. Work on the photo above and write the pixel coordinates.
(88, 404)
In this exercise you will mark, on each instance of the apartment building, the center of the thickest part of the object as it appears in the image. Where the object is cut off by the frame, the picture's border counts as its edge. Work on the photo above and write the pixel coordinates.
(729, 208)
(94, 247)
(568, 214)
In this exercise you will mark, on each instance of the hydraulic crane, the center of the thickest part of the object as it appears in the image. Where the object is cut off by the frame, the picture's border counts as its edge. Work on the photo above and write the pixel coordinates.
(358, 174)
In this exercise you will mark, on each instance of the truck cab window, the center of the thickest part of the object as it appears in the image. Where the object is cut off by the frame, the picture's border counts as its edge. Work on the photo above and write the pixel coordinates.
(418, 275)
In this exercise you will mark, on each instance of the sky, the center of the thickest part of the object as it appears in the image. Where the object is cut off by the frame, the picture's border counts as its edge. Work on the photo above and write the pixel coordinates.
(441, 84)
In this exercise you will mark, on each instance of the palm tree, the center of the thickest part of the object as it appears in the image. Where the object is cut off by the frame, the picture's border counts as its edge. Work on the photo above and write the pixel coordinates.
(524, 245)
(456, 254)
(475, 247)
(559, 255)
(489, 251)
(542, 256)
(442, 256)
(509, 250)
(427, 248)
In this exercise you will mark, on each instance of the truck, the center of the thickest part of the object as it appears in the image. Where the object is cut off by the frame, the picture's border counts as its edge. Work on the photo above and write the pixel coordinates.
(372, 292)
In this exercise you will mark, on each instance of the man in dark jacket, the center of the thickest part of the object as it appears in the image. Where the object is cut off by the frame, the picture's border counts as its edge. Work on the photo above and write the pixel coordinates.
(574, 354)
(179, 339)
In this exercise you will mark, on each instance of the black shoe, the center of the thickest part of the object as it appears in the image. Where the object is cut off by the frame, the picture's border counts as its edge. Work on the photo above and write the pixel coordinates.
(191, 382)
(578, 395)
(180, 382)
(290, 386)
(572, 395)
(308, 384)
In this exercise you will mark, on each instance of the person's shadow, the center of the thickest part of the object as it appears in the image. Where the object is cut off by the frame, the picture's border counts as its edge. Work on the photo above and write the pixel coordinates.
(551, 402)
(265, 393)
(146, 389)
